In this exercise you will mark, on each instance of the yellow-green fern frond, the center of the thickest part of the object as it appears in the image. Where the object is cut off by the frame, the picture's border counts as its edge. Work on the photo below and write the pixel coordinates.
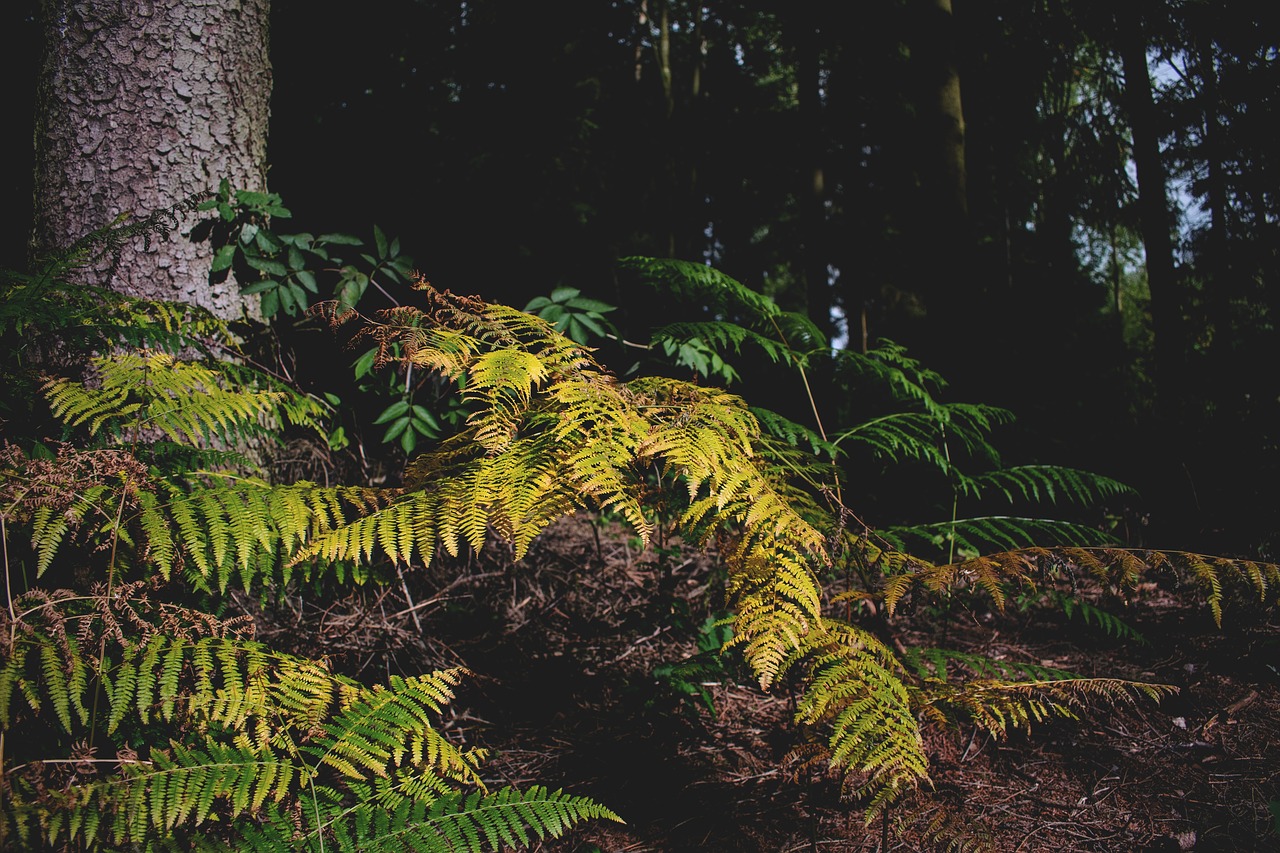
(390, 727)
(854, 686)
(256, 730)
(241, 528)
(190, 403)
(144, 800)
(1117, 568)
(997, 706)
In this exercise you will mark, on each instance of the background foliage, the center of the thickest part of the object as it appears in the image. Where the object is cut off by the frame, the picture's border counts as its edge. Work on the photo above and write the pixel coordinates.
(782, 193)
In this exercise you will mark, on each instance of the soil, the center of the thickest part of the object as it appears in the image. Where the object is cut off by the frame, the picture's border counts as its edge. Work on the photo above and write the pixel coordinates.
(563, 647)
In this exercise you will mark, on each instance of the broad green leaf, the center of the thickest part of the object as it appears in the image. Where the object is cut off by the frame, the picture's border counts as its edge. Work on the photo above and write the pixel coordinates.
(423, 414)
(395, 410)
(267, 242)
(340, 240)
(261, 286)
(582, 303)
(590, 323)
(395, 429)
(223, 258)
(308, 280)
(268, 265)
(364, 364)
(270, 302)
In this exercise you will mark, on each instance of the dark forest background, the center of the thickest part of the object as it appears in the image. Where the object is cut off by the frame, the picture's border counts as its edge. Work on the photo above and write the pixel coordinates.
(1069, 209)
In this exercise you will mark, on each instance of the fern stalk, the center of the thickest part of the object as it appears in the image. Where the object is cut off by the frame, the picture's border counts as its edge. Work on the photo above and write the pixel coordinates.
(111, 579)
(813, 404)
(13, 633)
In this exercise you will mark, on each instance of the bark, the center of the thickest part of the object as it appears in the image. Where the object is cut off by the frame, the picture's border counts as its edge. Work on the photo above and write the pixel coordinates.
(142, 104)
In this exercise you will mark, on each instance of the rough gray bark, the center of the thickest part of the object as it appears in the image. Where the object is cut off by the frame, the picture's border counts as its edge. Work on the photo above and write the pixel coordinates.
(141, 104)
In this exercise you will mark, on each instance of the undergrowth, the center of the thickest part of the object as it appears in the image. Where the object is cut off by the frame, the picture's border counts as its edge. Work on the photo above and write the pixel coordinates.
(133, 714)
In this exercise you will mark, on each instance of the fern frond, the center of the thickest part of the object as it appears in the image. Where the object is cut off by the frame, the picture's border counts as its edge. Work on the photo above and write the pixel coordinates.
(996, 706)
(943, 664)
(793, 434)
(143, 801)
(925, 435)
(1118, 568)
(461, 822)
(555, 432)
(887, 364)
(190, 403)
(722, 337)
(1042, 483)
(1091, 614)
(384, 727)
(855, 687)
(952, 831)
(87, 317)
(48, 527)
(982, 534)
(261, 714)
(700, 284)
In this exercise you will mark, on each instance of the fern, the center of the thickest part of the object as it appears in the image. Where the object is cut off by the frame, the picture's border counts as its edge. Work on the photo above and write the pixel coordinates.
(87, 317)
(565, 436)
(700, 284)
(793, 434)
(974, 536)
(260, 729)
(471, 822)
(941, 664)
(737, 315)
(189, 403)
(1121, 569)
(267, 751)
(996, 706)
(543, 442)
(905, 436)
(238, 528)
(1090, 614)
(855, 686)
(1044, 483)
(997, 695)
(888, 365)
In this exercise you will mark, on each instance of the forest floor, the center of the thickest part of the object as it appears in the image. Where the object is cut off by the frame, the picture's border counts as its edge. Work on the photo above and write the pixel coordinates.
(566, 650)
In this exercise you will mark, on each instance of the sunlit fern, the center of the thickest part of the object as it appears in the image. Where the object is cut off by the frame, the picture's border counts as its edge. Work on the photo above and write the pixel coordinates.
(550, 432)
(132, 395)
(264, 751)
(1119, 569)
(917, 427)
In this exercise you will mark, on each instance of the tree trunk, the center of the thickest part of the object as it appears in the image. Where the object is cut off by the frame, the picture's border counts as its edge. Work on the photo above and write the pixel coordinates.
(812, 190)
(1222, 285)
(142, 104)
(941, 112)
(943, 244)
(1153, 209)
